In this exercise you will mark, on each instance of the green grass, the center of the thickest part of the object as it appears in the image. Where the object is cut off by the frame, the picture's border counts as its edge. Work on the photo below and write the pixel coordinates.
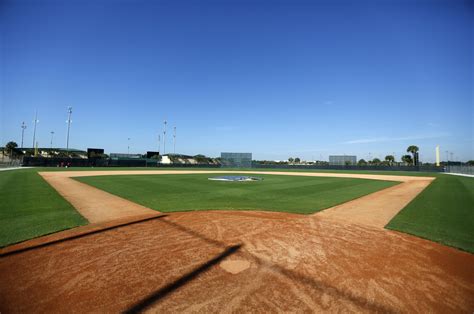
(168, 193)
(30, 207)
(443, 212)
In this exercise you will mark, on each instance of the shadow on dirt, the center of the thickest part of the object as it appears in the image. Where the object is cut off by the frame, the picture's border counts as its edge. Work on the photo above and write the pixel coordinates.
(42, 245)
(312, 283)
(163, 292)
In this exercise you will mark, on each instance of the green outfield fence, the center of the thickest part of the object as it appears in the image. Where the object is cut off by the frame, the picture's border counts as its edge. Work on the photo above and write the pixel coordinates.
(144, 162)
(102, 162)
(344, 167)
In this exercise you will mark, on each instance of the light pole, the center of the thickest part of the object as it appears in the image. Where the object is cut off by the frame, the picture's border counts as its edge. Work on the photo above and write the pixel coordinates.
(23, 127)
(52, 134)
(128, 146)
(164, 137)
(447, 161)
(69, 110)
(174, 140)
(34, 129)
(159, 142)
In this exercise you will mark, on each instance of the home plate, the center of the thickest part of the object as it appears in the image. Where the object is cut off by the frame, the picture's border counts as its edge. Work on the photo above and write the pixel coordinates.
(234, 266)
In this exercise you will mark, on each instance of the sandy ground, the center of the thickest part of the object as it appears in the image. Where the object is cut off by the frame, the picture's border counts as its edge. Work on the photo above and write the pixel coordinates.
(377, 209)
(228, 261)
(95, 205)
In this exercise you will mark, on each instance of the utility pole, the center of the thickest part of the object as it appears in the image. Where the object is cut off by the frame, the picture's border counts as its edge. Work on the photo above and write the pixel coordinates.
(34, 129)
(52, 134)
(174, 140)
(69, 110)
(23, 127)
(164, 137)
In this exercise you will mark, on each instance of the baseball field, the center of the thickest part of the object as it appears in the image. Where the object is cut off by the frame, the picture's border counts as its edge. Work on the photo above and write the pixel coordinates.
(173, 240)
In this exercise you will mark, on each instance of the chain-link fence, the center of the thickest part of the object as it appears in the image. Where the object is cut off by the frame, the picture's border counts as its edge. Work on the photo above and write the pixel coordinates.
(10, 164)
(353, 167)
(461, 169)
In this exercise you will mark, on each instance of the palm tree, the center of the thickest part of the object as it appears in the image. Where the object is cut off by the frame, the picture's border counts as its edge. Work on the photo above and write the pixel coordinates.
(376, 161)
(413, 150)
(390, 159)
(10, 148)
(407, 159)
(362, 162)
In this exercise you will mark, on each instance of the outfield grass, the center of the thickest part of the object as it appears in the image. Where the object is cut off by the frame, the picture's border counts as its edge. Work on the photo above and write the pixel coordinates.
(169, 193)
(30, 207)
(443, 212)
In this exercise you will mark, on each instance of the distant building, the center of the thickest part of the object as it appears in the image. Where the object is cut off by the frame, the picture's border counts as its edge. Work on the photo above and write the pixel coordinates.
(343, 160)
(53, 152)
(236, 160)
(124, 156)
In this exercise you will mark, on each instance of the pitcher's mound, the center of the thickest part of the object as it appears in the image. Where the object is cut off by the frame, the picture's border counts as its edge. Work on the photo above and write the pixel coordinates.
(235, 266)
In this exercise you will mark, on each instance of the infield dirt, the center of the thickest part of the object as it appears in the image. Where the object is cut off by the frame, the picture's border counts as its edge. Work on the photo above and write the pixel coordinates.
(227, 261)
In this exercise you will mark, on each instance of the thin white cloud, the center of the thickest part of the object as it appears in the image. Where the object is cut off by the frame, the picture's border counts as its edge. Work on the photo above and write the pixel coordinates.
(394, 139)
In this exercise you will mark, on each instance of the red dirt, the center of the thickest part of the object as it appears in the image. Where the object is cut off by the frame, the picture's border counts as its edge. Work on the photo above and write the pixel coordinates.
(296, 264)
(227, 261)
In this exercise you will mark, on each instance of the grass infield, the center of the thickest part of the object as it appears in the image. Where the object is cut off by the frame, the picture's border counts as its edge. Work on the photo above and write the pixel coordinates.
(443, 212)
(30, 207)
(187, 192)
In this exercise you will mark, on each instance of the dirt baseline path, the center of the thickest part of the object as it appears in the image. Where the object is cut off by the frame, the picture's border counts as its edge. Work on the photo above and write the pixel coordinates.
(94, 204)
(376, 209)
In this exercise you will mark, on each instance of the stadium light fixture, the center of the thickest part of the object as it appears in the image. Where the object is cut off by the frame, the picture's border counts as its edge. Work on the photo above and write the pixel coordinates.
(35, 121)
(23, 127)
(52, 134)
(159, 142)
(164, 136)
(69, 110)
(174, 140)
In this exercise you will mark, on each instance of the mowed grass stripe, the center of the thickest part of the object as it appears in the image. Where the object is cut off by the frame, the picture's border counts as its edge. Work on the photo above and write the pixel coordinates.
(184, 192)
(444, 213)
(30, 207)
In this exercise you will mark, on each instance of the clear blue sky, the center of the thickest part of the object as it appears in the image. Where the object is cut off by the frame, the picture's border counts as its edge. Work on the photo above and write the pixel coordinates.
(276, 78)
